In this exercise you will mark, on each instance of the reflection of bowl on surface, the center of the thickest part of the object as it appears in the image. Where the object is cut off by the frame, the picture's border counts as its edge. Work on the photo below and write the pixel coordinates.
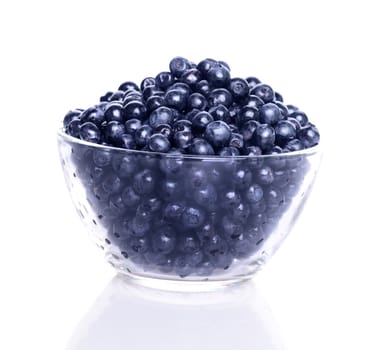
(128, 316)
(176, 217)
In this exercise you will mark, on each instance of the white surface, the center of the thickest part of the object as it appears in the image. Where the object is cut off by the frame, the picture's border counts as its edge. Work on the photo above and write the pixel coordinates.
(322, 286)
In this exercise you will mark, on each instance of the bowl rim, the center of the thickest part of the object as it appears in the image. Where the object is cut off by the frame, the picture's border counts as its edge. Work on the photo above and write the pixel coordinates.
(304, 152)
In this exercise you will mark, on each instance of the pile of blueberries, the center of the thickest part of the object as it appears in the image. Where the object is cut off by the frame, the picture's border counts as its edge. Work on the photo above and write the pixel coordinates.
(167, 210)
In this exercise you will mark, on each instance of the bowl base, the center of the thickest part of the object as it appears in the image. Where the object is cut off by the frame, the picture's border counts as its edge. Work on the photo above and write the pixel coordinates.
(205, 285)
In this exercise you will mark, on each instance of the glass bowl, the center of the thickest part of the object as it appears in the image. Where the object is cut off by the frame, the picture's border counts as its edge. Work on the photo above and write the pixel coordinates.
(174, 220)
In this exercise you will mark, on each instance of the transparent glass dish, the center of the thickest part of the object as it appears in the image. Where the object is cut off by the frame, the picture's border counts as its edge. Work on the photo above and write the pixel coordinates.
(180, 221)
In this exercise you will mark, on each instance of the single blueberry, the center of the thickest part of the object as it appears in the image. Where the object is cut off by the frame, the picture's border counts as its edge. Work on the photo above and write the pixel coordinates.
(229, 152)
(142, 135)
(269, 113)
(283, 110)
(220, 97)
(246, 114)
(218, 75)
(191, 77)
(188, 244)
(114, 112)
(182, 139)
(178, 65)
(284, 132)
(165, 130)
(135, 110)
(162, 115)
(132, 125)
(128, 85)
(164, 80)
(247, 130)
(124, 165)
(144, 182)
(182, 125)
(201, 147)
(172, 164)
(195, 258)
(218, 134)
(192, 217)
(206, 196)
(252, 81)
(173, 211)
(170, 190)
(201, 120)
(301, 117)
(149, 81)
(102, 157)
(205, 65)
(220, 112)
(112, 183)
(182, 267)
(126, 141)
(231, 228)
(197, 101)
(159, 143)
(292, 109)
(309, 136)
(163, 241)
(254, 194)
(254, 101)
(239, 88)
(89, 132)
(241, 177)
(154, 102)
(263, 91)
(203, 87)
(112, 132)
(241, 213)
(264, 175)
(230, 199)
(183, 87)
(236, 141)
(264, 136)
(175, 98)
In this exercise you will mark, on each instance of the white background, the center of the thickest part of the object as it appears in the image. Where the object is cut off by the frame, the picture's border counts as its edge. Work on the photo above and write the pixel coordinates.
(321, 287)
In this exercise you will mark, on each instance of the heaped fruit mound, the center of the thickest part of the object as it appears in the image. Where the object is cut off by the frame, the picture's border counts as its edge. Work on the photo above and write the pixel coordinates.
(181, 215)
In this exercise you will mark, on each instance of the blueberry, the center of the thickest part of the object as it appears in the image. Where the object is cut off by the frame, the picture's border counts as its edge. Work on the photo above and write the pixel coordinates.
(136, 110)
(126, 141)
(170, 190)
(71, 115)
(254, 101)
(201, 120)
(205, 268)
(269, 114)
(144, 182)
(264, 175)
(128, 85)
(275, 162)
(284, 132)
(144, 212)
(164, 80)
(112, 183)
(151, 91)
(246, 114)
(106, 97)
(132, 125)
(220, 112)
(206, 196)
(172, 164)
(159, 143)
(112, 132)
(254, 194)
(102, 157)
(165, 130)
(191, 77)
(130, 197)
(138, 245)
(220, 97)
(241, 213)
(191, 114)
(217, 251)
(188, 244)
(247, 130)
(218, 134)
(114, 112)
(292, 109)
(203, 87)
(183, 87)
(175, 98)
(89, 132)
(263, 91)
(142, 135)
(205, 65)
(182, 267)
(182, 125)
(149, 81)
(154, 102)
(117, 96)
(139, 227)
(309, 136)
(124, 166)
(192, 217)
(230, 199)
(283, 110)
(229, 152)
(264, 136)
(295, 123)
(173, 211)
(200, 147)
(274, 197)
(236, 141)
(231, 228)
(195, 258)
(218, 75)
(293, 146)
(164, 240)
(239, 88)
(161, 115)
(242, 177)
(197, 177)
(197, 101)
(182, 139)
(301, 117)
(94, 115)
(178, 65)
